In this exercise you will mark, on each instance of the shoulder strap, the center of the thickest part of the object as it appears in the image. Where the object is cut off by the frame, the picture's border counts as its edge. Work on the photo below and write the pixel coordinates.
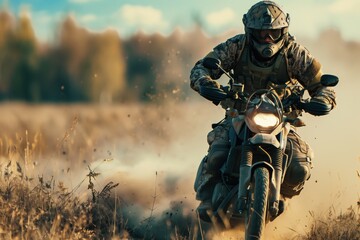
(243, 45)
(289, 39)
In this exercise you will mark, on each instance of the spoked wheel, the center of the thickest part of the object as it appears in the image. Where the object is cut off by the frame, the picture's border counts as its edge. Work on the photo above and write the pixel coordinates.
(258, 201)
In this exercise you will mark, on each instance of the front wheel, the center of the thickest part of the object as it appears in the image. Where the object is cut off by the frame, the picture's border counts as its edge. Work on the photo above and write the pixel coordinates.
(257, 205)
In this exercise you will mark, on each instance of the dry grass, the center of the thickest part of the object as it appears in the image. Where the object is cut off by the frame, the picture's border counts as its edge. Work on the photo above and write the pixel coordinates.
(39, 150)
(343, 226)
(335, 226)
(46, 210)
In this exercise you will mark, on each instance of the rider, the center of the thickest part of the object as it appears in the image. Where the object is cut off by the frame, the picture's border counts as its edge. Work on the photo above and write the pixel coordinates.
(264, 57)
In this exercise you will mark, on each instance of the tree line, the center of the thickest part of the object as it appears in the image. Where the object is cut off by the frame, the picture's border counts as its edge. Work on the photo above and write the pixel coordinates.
(80, 65)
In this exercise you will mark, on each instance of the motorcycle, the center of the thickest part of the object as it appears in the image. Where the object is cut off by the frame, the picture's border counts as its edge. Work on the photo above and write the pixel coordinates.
(249, 193)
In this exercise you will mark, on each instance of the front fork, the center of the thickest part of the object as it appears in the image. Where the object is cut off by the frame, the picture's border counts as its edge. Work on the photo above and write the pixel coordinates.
(272, 160)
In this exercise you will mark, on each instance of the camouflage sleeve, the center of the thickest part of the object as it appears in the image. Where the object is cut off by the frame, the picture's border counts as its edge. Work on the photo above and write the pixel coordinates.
(303, 66)
(227, 52)
(307, 70)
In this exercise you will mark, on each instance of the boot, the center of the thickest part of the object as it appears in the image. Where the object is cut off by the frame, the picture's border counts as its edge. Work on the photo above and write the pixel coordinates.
(204, 210)
(204, 193)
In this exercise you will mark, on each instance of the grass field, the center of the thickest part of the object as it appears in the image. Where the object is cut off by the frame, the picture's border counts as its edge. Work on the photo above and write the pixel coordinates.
(124, 172)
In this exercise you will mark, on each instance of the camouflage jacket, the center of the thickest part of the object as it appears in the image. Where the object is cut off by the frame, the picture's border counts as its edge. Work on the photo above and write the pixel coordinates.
(296, 64)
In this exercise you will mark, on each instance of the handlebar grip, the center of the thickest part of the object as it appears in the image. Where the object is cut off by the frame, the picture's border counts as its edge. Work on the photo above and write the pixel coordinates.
(315, 108)
(216, 95)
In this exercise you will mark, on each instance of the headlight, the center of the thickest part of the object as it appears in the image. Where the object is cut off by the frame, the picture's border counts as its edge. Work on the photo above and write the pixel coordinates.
(262, 122)
(263, 116)
(266, 120)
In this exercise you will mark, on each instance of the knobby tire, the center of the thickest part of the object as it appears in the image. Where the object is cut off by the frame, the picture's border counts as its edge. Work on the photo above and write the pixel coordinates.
(256, 212)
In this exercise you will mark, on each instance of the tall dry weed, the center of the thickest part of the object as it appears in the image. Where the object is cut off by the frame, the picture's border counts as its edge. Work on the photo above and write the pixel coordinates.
(335, 226)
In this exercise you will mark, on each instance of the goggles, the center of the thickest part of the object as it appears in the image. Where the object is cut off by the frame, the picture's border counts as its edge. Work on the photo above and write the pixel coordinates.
(262, 34)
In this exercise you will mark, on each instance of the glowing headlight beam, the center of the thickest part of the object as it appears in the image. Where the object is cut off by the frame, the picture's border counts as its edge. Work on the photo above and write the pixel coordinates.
(266, 120)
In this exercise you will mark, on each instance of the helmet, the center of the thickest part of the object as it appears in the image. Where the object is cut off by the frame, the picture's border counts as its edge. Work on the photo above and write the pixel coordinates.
(264, 20)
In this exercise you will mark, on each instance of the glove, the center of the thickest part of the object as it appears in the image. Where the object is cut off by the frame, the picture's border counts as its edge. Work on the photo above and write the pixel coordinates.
(326, 95)
(214, 94)
(316, 107)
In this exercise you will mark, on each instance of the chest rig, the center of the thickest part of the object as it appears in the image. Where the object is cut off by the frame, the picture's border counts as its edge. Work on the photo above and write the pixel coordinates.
(255, 77)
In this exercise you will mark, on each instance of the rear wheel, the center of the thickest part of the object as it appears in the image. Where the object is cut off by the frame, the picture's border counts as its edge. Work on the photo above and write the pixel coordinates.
(258, 201)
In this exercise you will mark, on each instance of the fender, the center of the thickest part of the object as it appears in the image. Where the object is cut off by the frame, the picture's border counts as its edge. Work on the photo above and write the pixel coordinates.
(264, 138)
(261, 164)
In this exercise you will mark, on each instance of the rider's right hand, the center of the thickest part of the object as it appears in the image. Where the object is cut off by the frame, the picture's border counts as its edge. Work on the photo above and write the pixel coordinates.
(214, 94)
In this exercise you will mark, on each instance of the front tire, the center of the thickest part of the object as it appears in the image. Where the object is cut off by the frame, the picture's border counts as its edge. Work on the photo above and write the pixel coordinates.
(258, 202)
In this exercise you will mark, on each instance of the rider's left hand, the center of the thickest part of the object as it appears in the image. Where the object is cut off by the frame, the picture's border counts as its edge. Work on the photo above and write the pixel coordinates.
(316, 107)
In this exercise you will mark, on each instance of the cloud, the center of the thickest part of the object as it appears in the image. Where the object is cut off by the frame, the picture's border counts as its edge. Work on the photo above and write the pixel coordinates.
(87, 18)
(221, 17)
(143, 17)
(345, 6)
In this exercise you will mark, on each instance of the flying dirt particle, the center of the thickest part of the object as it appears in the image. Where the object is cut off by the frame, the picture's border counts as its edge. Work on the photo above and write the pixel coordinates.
(64, 152)
(62, 88)
(129, 115)
(175, 91)
(94, 150)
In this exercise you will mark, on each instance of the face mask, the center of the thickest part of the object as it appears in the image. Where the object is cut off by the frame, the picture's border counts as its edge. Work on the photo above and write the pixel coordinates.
(268, 50)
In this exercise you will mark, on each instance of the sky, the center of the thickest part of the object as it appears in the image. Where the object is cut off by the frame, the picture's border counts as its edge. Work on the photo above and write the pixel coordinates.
(308, 17)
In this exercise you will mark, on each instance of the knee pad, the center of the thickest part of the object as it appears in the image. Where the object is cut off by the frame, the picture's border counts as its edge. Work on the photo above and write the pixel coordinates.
(217, 156)
(302, 155)
(297, 173)
(204, 182)
(205, 188)
(219, 134)
(295, 177)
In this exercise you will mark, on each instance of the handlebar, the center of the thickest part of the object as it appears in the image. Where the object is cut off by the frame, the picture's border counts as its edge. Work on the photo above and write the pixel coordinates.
(216, 95)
